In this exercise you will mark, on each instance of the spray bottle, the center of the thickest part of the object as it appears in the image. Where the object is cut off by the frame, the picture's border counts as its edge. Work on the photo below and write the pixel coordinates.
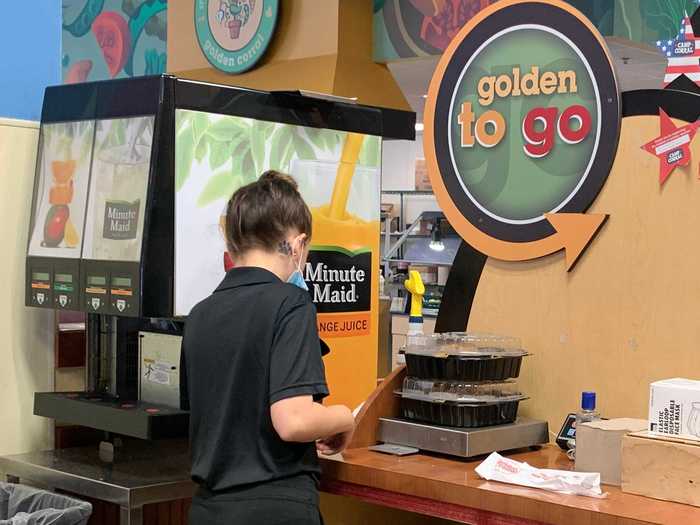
(414, 284)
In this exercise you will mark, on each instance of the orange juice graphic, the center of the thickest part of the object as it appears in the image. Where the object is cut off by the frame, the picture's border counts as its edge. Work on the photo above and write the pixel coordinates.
(340, 272)
(58, 226)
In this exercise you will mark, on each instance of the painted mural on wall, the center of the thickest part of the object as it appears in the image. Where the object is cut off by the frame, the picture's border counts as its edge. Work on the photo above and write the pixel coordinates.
(418, 28)
(104, 39)
(415, 28)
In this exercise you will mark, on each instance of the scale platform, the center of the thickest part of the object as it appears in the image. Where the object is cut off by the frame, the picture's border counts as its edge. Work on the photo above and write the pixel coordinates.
(463, 442)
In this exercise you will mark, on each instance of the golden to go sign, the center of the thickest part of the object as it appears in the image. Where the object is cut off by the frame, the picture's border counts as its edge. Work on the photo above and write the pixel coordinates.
(521, 129)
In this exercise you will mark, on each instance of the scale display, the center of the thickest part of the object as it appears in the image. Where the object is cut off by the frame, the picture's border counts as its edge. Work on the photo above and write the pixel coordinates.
(118, 187)
(61, 189)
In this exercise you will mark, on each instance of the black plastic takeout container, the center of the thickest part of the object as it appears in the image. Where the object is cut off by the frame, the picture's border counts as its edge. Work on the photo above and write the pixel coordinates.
(460, 404)
(464, 357)
(455, 414)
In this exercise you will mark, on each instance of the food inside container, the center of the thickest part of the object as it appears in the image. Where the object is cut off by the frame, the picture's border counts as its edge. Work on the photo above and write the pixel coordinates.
(460, 404)
(457, 391)
(464, 357)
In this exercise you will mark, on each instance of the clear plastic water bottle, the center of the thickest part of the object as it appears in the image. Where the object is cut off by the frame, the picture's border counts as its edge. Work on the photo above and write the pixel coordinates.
(588, 411)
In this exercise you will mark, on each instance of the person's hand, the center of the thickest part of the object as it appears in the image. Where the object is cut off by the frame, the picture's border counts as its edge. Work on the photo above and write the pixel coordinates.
(334, 444)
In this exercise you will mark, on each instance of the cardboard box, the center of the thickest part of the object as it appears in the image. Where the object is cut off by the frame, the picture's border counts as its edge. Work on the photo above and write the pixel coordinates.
(674, 408)
(599, 447)
(661, 468)
(422, 178)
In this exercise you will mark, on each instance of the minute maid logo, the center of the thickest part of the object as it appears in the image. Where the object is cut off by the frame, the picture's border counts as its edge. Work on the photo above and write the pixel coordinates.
(521, 128)
(234, 34)
(340, 285)
(121, 220)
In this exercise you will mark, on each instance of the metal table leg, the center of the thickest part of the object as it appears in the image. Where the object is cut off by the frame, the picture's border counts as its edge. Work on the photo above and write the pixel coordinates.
(130, 516)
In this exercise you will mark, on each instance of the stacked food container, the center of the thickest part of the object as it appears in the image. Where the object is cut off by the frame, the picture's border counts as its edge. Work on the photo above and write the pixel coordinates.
(462, 380)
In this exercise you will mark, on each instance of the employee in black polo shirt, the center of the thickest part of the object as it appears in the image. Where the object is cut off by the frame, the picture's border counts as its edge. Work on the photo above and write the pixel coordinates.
(253, 373)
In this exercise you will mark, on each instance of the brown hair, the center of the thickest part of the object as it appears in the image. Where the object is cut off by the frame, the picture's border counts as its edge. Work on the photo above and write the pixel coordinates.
(261, 214)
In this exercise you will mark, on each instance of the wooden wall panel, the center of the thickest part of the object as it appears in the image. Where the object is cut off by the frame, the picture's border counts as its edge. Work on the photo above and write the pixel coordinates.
(627, 314)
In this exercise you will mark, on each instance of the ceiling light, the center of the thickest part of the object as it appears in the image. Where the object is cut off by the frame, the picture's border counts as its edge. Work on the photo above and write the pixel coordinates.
(436, 243)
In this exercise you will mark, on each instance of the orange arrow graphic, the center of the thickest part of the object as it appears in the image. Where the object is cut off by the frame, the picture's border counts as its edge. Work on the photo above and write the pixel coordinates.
(575, 231)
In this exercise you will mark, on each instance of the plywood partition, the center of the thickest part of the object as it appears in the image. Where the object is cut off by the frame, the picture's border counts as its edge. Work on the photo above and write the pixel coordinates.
(323, 46)
(628, 314)
(383, 402)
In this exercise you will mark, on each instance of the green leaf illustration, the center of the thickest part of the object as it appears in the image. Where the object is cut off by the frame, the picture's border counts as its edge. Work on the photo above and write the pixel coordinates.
(200, 123)
(219, 153)
(370, 154)
(316, 137)
(182, 119)
(280, 143)
(248, 168)
(303, 148)
(257, 147)
(201, 150)
(227, 129)
(236, 165)
(121, 131)
(184, 152)
(219, 186)
(333, 138)
(287, 158)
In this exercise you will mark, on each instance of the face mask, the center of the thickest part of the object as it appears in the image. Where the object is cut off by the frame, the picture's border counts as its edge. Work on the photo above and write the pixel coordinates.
(297, 278)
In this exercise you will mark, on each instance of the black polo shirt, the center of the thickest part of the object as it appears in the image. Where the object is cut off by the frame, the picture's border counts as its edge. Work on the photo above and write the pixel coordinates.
(253, 342)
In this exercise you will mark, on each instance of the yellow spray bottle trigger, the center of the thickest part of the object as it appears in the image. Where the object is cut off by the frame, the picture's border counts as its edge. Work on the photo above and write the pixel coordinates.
(414, 284)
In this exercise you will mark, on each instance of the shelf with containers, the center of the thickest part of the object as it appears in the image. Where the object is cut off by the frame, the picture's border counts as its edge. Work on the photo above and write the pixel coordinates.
(428, 245)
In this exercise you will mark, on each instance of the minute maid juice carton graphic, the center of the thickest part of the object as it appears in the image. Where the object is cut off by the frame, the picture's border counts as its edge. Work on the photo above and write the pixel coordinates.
(338, 176)
(339, 269)
(118, 186)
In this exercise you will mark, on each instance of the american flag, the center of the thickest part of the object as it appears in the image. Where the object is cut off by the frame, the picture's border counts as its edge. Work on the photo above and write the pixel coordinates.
(683, 54)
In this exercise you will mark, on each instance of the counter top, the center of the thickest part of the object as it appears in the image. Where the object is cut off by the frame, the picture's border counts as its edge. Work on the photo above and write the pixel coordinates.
(450, 488)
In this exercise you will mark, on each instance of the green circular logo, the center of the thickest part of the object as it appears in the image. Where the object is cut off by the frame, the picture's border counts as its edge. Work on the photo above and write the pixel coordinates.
(522, 123)
(234, 34)
(533, 168)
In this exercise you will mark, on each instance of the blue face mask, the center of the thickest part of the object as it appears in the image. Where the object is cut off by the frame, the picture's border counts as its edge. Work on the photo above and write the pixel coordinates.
(298, 280)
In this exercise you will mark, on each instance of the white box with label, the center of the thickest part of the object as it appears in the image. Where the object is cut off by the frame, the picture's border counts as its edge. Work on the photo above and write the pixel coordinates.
(674, 408)
(159, 368)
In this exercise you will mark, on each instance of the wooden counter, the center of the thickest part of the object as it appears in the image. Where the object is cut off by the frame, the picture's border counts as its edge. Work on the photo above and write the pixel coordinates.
(449, 488)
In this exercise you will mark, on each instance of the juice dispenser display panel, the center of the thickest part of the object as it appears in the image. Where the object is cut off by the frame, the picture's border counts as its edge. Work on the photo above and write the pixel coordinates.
(60, 194)
(124, 293)
(40, 293)
(118, 189)
(65, 287)
(96, 291)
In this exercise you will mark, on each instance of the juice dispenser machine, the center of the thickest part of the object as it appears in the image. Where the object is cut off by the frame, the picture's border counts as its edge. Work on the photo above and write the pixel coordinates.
(125, 220)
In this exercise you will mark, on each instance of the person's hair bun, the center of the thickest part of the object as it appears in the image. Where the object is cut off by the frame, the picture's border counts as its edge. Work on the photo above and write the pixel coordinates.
(261, 214)
(275, 178)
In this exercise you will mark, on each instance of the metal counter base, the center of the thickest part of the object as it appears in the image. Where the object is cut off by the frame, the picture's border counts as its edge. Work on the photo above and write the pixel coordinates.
(142, 473)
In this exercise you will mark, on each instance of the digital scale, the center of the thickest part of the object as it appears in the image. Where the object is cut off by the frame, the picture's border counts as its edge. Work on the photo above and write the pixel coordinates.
(463, 442)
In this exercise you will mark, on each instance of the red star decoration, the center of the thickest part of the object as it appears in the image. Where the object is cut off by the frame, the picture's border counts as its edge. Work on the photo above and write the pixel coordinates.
(672, 146)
